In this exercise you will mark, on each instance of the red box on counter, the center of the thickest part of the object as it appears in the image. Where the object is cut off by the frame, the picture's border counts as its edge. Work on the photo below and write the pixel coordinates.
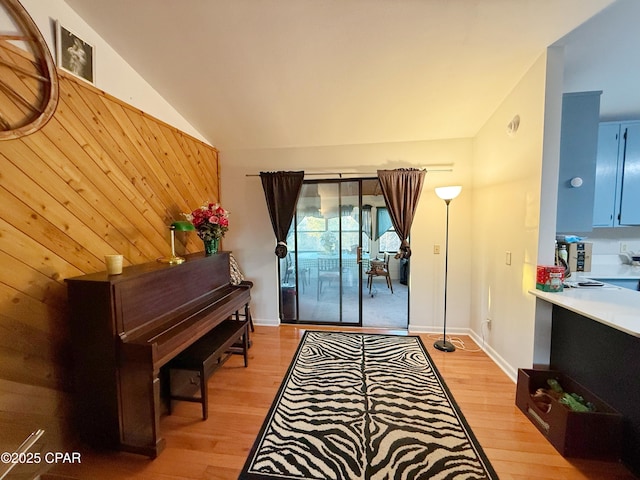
(549, 278)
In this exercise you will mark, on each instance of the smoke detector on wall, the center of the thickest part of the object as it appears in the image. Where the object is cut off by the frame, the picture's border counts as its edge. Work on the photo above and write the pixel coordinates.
(513, 125)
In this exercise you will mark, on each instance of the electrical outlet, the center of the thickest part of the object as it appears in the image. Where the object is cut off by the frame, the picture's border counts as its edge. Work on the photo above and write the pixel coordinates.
(623, 247)
(489, 323)
(436, 249)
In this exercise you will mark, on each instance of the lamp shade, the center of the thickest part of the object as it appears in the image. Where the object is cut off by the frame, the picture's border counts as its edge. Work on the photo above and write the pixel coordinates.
(448, 193)
(183, 226)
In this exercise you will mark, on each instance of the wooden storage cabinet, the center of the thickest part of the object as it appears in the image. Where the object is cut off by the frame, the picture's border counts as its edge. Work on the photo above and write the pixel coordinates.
(617, 186)
(578, 151)
(574, 434)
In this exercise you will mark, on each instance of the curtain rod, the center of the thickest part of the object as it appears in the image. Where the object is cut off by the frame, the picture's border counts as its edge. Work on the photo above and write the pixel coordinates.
(357, 173)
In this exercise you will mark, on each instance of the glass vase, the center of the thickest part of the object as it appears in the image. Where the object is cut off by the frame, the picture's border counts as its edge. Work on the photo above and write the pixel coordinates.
(211, 246)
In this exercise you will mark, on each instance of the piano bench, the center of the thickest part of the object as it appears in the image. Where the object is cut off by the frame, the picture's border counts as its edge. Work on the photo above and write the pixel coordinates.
(208, 354)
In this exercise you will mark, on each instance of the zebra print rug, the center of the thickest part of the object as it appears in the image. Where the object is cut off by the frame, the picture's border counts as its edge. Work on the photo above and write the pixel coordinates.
(364, 406)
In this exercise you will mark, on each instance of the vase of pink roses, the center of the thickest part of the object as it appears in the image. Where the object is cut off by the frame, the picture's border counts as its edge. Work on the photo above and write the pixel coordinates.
(211, 222)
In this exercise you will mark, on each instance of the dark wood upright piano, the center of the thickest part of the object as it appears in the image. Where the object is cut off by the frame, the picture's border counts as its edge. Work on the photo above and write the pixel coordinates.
(126, 327)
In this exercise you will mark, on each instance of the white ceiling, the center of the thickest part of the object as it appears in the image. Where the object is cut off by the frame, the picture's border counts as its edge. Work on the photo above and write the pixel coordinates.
(285, 73)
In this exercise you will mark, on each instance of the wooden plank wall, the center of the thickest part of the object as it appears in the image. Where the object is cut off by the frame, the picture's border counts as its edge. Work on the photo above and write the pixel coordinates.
(101, 177)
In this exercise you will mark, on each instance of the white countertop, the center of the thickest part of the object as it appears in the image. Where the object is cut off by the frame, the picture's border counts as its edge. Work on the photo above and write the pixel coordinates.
(614, 306)
(613, 272)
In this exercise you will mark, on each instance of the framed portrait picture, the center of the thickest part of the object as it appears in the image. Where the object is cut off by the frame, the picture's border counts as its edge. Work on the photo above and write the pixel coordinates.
(74, 55)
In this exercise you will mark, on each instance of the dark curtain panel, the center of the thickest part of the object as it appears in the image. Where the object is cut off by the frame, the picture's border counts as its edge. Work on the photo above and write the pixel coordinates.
(401, 189)
(281, 191)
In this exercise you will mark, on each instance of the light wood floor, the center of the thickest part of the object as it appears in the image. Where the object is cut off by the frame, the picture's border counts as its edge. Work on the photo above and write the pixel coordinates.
(240, 399)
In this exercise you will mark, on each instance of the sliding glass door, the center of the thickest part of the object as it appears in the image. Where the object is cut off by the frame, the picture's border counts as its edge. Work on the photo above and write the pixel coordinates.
(321, 281)
(325, 277)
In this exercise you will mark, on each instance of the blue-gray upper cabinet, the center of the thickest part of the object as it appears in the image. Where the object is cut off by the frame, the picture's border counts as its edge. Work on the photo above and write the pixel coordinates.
(617, 194)
(578, 151)
(630, 192)
(607, 175)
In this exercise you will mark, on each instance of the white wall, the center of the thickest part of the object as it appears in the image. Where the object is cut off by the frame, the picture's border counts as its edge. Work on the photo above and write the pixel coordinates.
(251, 236)
(112, 73)
(606, 241)
(507, 172)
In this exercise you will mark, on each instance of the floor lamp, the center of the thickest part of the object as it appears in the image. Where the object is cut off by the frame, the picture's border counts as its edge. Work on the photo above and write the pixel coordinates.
(447, 194)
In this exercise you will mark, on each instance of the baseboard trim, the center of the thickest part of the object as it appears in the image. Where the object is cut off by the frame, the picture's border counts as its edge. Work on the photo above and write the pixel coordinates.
(510, 371)
(266, 322)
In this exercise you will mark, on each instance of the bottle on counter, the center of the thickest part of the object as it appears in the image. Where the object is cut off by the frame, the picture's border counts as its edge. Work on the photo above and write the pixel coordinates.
(563, 254)
(562, 259)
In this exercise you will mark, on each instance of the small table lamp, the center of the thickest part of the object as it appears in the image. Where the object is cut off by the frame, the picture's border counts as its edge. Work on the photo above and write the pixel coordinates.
(181, 226)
